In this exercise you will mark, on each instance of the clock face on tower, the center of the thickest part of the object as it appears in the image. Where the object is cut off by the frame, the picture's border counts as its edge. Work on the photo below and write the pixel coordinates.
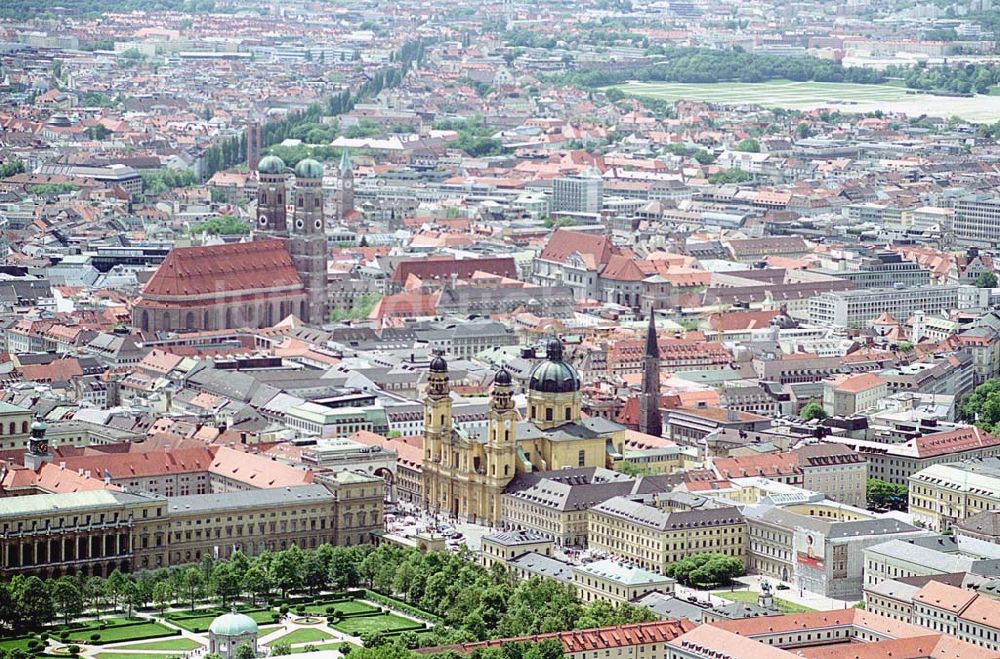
(41, 447)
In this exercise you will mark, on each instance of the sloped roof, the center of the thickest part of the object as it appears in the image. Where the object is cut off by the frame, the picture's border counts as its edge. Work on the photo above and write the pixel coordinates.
(228, 268)
(563, 243)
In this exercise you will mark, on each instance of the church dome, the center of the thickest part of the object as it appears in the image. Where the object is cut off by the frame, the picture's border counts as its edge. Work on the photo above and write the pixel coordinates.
(503, 378)
(554, 376)
(271, 165)
(233, 624)
(439, 365)
(308, 168)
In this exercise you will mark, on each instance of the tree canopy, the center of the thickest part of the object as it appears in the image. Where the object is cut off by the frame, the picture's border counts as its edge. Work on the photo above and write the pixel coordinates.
(813, 410)
(882, 495)
(982, 406)
(706, 570)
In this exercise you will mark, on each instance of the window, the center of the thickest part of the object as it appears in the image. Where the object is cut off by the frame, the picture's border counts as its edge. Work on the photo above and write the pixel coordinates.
(581, 458)
(548, 413)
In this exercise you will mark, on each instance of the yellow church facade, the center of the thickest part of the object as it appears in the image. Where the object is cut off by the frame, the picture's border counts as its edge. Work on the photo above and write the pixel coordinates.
(466, 472)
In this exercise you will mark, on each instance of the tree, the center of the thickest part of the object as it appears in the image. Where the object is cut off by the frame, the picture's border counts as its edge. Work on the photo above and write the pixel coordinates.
(729, 176)
(749, 146)
(315, 574)
(11, 168)
(193, 584)
(245, 651)
(813, 410)
(95, 594)
(257, 581)
(286, 570)
(115, 587)
(67, 598)
(34, 605)
(225, 581)
(631, 468)
(163, 595)
(986, 279)
(882, 495)
(280, 649)
(131, 597)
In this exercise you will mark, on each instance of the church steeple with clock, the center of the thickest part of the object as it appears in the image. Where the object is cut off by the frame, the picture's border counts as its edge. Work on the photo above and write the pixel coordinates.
(38, 446)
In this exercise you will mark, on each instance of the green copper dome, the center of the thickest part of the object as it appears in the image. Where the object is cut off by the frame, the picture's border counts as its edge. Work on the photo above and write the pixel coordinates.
(554, 376)
(233, 624)
(271, 165)
(308, 168)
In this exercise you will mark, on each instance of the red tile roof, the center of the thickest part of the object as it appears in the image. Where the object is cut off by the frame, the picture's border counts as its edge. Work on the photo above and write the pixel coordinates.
(768, 465)
(953, 441)
(740, 320)
(218, 269)
(563, 243)
(854, 384)
(601, 638)
(443, 268)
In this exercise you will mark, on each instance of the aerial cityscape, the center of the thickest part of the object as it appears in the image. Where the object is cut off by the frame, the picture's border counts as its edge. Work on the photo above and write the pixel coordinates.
(608, 329)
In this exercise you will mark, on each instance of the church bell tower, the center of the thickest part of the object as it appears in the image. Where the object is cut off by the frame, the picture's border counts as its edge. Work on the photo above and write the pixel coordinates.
(307, 240)
(501, 443)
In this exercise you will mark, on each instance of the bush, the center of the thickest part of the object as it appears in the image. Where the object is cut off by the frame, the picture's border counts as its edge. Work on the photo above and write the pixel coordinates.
(300, 609)
(74, 650)
(64, 636)
(330, 610)
(283, 609)
(34, 645)
(95, 637)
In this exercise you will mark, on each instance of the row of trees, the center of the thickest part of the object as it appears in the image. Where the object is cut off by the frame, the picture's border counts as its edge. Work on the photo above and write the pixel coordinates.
(474, 603)
(158, 181)
(308, 126)
(223, 225)
(705, 65)
(955, 79)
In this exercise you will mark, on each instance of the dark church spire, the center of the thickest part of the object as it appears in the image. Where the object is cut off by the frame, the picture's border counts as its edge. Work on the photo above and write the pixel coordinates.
(650, 418)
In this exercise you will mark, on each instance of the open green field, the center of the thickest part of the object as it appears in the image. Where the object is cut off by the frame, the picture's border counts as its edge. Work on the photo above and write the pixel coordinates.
(135, 655)
(847, 97)
(358, 626)
(303, 636)
(182, 644)
(750, 597)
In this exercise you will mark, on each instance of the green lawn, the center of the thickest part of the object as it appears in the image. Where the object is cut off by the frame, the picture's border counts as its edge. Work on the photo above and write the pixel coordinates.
(182, 644)
(135, 655)
(117, 634)
(302, 636)
(352, 606)
(751, 597)
(339, 645)
(358, 626)
(15, 643)
(847, 97)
